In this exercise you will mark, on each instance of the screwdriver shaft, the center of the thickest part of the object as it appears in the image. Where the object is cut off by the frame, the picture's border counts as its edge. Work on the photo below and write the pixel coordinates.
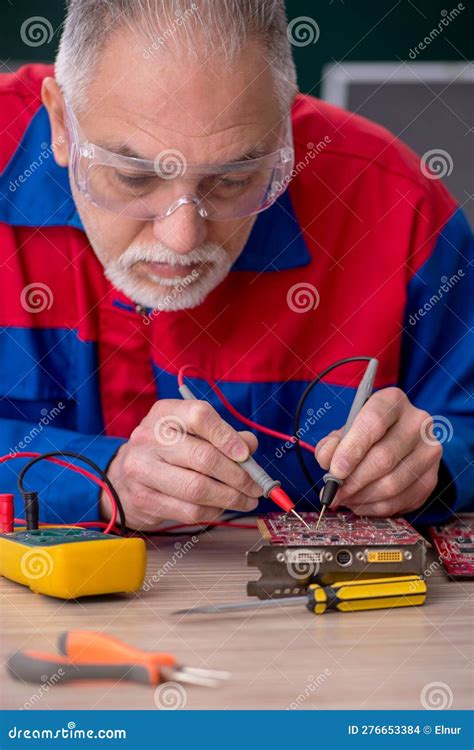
(287, 601)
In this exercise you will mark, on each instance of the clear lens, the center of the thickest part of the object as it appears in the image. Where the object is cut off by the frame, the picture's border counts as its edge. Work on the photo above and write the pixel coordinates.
(132, 187)
(144, 195)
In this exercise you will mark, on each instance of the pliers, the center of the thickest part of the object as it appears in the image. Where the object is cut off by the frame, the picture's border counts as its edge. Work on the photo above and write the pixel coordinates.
(90, 655)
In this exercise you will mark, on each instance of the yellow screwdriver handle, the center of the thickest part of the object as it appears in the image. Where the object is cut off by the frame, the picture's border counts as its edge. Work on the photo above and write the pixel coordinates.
(370, 593)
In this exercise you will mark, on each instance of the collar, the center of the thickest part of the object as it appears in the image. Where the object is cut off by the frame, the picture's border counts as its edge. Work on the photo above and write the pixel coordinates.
(35, 192)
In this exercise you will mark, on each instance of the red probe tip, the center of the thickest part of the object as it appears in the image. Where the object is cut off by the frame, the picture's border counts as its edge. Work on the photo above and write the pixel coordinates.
(281, 499)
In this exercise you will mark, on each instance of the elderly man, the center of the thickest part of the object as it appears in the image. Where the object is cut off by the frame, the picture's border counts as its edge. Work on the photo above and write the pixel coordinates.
(199, 211)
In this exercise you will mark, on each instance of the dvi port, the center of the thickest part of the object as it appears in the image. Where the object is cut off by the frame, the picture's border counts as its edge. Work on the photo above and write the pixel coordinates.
(384, 556)
(304, 556)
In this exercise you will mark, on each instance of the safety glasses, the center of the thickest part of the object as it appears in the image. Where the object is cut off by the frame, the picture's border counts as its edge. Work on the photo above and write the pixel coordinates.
(149, 190)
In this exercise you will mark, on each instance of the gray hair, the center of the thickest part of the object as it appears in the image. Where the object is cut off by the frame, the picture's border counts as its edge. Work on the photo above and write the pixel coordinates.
(223, 24)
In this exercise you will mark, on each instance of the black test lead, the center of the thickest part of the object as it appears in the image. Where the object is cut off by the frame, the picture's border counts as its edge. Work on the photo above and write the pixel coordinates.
(363, 393)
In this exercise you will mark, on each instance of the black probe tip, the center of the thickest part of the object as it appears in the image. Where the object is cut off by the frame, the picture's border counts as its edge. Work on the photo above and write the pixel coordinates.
(329, 492)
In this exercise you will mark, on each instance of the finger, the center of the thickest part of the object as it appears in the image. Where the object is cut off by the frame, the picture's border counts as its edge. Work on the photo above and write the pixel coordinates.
(325, 448)
(327, 451)
(379, 413)
(199, 455)
(200, 418)
(407, 471)
(383, 457)
(410, 499)
(187, 485)
(250, 439)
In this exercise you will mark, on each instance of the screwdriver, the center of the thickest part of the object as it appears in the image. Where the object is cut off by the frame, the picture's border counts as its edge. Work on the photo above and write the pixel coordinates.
(363, 393)
(345, 596)
(87, 654)
(270, 487)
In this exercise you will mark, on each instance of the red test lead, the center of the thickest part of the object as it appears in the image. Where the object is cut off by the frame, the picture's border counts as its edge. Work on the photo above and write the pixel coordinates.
(270, 487)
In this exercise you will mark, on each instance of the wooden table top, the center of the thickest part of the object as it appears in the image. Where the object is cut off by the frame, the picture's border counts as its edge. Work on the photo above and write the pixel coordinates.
(286, 659)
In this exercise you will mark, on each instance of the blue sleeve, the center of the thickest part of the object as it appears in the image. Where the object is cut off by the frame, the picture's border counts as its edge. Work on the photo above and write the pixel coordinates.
(437, 370)
(65, 497)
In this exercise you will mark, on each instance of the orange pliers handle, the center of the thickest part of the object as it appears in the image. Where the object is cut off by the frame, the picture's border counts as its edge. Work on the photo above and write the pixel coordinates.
(87, 654)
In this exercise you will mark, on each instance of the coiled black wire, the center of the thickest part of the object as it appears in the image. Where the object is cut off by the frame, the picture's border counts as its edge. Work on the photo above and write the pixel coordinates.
(92, 464)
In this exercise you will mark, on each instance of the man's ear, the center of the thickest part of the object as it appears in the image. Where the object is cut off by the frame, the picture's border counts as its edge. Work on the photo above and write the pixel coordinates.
(53, 100)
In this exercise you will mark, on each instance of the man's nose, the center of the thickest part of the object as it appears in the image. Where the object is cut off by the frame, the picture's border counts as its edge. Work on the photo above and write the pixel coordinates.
(182, 230)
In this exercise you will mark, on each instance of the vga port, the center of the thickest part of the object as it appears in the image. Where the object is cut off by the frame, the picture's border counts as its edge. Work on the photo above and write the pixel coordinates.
(384, 556)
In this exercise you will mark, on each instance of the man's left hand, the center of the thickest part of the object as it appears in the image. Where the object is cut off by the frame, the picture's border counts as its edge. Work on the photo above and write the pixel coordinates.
(389, 460)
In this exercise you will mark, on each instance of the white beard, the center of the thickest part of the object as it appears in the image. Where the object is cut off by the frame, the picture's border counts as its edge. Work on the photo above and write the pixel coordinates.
(181, 293)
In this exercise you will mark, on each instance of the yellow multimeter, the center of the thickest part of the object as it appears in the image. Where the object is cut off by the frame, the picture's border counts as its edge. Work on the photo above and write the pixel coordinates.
(68, 562)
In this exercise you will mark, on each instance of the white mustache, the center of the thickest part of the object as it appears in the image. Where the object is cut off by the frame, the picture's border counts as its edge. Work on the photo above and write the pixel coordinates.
(158, 253)
(199, 283)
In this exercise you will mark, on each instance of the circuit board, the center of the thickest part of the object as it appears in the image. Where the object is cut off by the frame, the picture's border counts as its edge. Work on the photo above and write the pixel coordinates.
(454, 542)
(335, 529)
(344, 546)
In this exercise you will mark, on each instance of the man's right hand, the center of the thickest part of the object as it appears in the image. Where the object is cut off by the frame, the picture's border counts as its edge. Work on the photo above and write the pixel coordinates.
(178, 465)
